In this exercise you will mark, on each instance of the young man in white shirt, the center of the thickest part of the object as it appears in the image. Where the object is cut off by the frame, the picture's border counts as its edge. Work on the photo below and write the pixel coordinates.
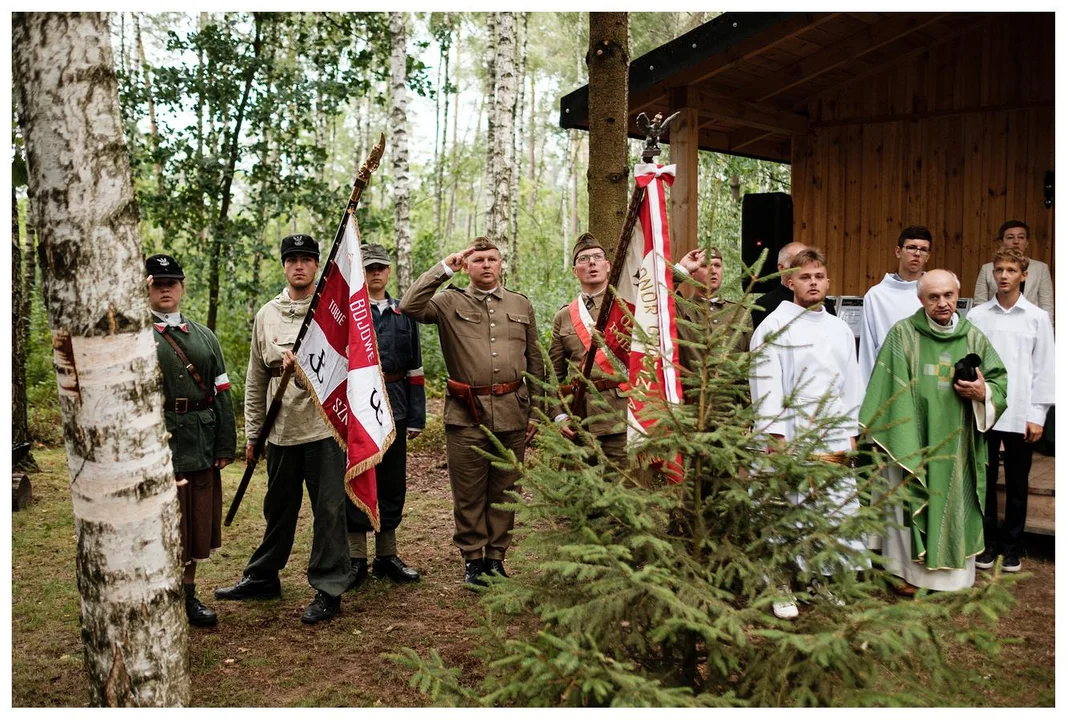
(895, 297)
(1022, 334)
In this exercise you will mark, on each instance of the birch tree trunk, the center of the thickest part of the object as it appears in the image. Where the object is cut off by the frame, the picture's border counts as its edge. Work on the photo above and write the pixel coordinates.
(20, 426)
(504, 138)
(607, 177)
(124, 499)
(153, 128)
(399, 145)
(492, 106)
(517, 119)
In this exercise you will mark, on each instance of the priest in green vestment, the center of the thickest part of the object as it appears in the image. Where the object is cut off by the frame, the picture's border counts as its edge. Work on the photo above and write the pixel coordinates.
(932, 428)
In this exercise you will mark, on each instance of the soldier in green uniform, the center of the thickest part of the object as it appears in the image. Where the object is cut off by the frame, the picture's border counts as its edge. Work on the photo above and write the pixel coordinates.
(706, 267)
(200, 420)
(570, 344)
(488, 339)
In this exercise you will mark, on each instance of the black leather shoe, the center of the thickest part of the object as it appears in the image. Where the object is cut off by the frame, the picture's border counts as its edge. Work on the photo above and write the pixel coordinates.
(473, 572)
(357, 573)
(495, 567)
(195, 611)
(394, 568)
(251, 586)
(323, 607)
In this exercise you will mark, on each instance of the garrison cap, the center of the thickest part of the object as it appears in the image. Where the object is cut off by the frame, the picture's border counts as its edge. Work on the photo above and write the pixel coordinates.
(713, 252)
(375, 255)
(484, 243)
(164, 267)
(586, 241)
(302, 244)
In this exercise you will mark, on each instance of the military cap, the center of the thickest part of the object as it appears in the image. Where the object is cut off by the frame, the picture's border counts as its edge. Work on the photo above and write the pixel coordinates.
(164, 267)
(713, 252)
(375, 255)
(484, 243)
(586, 241)
(302, 244)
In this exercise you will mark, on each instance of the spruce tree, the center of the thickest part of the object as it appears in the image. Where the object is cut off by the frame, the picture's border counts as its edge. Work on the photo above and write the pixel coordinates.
(643, 593)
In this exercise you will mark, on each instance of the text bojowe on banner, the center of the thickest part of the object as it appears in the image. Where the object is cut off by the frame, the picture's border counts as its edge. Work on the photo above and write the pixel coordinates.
(647, 286)
(338, 361)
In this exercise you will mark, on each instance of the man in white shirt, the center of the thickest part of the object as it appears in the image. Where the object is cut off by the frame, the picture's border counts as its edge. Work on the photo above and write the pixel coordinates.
(804, 371)
(895, 297)
(1038, 288)
(1022, 334)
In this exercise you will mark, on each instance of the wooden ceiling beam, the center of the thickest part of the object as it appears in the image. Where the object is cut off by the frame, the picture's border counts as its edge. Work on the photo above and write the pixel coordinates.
(749, 114)
(874, 37)
(744, 137)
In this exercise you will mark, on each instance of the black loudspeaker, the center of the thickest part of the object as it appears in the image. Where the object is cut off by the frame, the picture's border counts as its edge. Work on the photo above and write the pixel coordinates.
(767, 222)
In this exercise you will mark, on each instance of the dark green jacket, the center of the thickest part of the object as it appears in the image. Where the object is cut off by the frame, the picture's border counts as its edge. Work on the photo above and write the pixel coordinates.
(198, 437)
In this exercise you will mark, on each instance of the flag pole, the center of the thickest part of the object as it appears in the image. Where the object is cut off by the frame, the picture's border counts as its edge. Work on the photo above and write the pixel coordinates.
(363, 178)
(653, 130)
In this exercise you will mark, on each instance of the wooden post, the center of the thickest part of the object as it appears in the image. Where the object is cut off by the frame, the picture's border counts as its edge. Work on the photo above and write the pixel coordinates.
(684, 190)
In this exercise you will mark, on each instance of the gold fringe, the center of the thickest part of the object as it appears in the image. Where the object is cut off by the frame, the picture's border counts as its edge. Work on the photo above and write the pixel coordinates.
(368, 463)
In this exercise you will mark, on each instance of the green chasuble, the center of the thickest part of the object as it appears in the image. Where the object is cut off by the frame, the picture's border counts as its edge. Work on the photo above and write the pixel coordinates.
(913, 413)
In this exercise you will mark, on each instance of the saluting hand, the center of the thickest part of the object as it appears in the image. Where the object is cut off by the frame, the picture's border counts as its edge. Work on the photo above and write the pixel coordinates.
(973, 389)
(457, 261)
(692, 260)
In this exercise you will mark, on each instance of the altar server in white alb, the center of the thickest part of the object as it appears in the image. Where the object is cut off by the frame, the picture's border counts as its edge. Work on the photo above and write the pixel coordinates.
(807, 354)
(895, 297)
(1022, 334)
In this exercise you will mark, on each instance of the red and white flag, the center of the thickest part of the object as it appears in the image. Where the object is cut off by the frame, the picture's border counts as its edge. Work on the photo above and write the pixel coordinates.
(647, 285)
(338, 360)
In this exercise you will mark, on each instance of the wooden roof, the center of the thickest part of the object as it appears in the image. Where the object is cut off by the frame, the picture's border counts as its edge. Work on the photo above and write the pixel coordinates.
(751, 76)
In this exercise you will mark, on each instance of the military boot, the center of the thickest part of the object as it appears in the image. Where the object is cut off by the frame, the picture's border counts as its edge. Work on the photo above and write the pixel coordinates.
(198, 614)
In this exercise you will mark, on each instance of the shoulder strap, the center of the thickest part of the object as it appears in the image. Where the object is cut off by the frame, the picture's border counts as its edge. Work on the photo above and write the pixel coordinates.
(185, 361)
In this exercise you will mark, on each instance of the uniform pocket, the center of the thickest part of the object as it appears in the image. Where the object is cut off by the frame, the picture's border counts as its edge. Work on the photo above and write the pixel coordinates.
(468, 324)
(517, 326)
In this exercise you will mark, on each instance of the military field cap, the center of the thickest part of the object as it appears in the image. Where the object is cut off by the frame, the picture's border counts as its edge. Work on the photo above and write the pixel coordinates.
(375, 255)
(484, 243)
(302, 244)
(164, 267)
(713, 252)
(585, 241)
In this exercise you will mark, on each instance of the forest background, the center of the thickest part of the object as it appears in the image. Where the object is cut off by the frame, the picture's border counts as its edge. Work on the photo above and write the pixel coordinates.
(246, 127)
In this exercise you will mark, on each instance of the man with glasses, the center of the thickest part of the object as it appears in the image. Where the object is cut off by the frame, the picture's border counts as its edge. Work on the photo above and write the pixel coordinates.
(571, 338)
(895, 297)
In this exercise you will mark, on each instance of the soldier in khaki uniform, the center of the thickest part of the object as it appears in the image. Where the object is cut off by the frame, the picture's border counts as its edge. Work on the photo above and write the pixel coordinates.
(301, 449)
(489, 339)
(570, 344)
(707, 269)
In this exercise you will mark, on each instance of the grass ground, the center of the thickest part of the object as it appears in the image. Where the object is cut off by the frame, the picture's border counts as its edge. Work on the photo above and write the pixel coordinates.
(261, 655)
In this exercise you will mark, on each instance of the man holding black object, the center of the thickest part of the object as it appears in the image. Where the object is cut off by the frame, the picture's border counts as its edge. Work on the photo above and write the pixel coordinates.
(931, 421)
(1022, 334)
(301, 449)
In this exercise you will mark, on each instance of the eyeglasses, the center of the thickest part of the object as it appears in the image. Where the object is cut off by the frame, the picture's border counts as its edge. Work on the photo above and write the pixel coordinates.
(916, 250)
(589, 257)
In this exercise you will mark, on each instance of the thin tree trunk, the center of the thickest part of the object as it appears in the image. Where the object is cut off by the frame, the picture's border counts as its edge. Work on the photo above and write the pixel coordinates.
(222, 221)
(124, 499)
(504, 137)
(532, 187)
(517, 118)
(491, 101)
(153, 129)
(439, 166)
(573, 168)
(20, 424)
(453, 158)
(608, 60)
(399, 141)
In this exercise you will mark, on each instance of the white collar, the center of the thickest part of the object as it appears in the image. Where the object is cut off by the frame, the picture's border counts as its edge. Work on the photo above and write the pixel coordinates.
(174, 319)
(944, 329)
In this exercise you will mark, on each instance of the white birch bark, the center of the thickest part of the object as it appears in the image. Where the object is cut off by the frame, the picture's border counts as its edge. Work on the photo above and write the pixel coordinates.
(492, 109)
(517, 118)
(504, 136)
(123, 491)
(399, 146)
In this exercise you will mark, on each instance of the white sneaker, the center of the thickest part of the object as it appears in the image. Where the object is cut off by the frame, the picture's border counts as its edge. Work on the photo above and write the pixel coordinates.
(785, 609)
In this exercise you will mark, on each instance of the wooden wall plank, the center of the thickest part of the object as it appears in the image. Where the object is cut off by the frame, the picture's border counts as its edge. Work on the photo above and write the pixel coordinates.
(853, 201)
(948, 256)
(835, 192)
(874, 201)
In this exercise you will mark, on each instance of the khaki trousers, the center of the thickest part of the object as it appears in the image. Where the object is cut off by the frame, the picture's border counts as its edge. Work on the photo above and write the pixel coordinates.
(481, 530)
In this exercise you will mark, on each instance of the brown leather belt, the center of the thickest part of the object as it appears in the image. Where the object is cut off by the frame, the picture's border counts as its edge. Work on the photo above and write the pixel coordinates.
(184, 405)
(466, 393)
(393, 377)
(838, 458)
(601, 385)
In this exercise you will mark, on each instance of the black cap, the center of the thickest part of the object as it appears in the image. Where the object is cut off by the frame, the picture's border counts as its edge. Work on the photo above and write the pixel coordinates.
(164, 267)
(299, 244)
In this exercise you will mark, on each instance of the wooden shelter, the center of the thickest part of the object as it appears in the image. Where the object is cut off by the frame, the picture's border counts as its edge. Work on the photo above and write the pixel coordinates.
(887, 120)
